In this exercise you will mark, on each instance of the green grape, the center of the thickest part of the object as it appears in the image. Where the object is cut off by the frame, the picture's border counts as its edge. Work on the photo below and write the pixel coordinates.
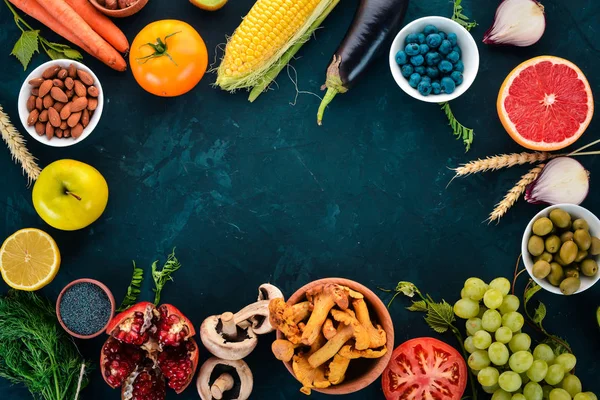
(501, 395)
(482, 340)
(501, 284)
(555, 374)
(509, 303)
(509, 381)
(503, 335)
(571, 384)
(466, 308)
(582, 396)
(474, 372)
(482, 310)
(475, 288)
(567, 361)
(546, 389)
(473, 325)
(520, 342)
(498, 353)
(533, 391)
(559, 394)
(488, 376)
(538, 370)
(518, 396)
(543, 352)
(491, 320)
(479, 360)
(490, 389)
(469, 346)
(520, 361)
(492, 299)
(463, 294)
(591, 395)
(513, 320)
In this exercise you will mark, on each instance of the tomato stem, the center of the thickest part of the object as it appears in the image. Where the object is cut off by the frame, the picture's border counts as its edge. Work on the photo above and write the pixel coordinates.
(160, 49)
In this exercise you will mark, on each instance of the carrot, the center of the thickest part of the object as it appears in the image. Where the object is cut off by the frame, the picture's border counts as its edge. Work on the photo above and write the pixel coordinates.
(73, 22)
(101, 24)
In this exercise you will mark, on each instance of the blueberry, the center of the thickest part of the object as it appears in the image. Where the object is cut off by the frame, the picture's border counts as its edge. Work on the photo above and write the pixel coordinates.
(436, 88)
(434, 40)
(423, 49)
(407, 70)
(401, 58)
(412, 49)
(457, 77)
(459, 66)
(412, 38)
(425, 79)
(457, 49)
(445, 47)
(417, 60)
(448, 85)
(453, 57)
(424, 88)
(442, 35)
(445, 66)
(452, 38)
(415, 79)
(429, 29)
(432, 72)
(420, 70)
(432, 58)
(420, 38)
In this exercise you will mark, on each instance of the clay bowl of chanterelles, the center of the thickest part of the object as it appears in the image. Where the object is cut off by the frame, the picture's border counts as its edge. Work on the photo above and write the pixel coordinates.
(361, 372)
(122, 8)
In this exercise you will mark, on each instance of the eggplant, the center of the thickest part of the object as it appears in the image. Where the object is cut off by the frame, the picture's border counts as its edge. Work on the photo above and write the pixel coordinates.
(375, 24)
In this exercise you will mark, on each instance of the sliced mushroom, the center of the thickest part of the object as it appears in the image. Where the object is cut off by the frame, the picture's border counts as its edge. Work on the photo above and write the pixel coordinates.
(218, 376)
(225, 339)
(260, 320)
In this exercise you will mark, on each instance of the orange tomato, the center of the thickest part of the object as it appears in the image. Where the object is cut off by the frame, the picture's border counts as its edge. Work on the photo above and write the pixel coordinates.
(168, 58)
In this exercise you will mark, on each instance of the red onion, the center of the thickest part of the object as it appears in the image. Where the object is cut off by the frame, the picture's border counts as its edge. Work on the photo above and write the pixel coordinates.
(517, 23)
(562, 180)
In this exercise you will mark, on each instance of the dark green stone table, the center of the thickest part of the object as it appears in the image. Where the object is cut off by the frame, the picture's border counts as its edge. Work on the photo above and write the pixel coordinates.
(253, 193)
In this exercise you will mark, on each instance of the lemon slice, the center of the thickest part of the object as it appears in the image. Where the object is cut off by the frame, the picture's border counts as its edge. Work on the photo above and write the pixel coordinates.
(210, 5)
(29, 259)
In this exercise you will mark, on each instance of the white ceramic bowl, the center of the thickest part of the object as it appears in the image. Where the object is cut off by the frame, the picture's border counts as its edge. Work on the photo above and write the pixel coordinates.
(26, 92)
(468, 47)
(576, 212)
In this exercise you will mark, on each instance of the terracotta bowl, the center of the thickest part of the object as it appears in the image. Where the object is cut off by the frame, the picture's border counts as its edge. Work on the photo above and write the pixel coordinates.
(363, 372)
(110, 298)
(122, 13)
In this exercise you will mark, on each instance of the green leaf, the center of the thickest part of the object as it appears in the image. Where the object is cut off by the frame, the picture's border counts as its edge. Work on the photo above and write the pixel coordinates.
(164, 275)
(533, 289)
(540, 313)
(407, 288)
(553, 342)
(458, 129)
(26, 47)
(73, 54)
(440, 316)
(133, 291)
(55, 54)
(419, 306)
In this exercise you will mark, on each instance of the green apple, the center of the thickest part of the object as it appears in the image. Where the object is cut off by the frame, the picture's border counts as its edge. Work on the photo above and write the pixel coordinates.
(70, 195)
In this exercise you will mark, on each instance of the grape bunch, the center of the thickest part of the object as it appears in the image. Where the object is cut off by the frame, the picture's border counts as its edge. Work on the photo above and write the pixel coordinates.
(500, 354)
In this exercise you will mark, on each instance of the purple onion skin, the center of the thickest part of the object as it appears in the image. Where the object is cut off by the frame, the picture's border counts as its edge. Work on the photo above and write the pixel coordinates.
(488, 41)
(529, 189)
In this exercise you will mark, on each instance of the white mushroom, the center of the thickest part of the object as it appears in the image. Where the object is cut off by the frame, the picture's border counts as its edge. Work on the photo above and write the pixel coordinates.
(225, 339)
(218, 376)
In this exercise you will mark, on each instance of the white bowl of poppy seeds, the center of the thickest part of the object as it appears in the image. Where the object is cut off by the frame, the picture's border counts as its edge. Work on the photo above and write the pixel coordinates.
(84, 308)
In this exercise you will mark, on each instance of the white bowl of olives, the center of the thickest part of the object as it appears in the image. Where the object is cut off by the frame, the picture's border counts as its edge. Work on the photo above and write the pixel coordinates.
(561, 249)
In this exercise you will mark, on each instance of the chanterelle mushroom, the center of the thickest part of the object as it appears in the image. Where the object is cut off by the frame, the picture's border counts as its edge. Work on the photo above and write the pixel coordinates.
(307, 375)
(361, 335)
(218, 376)
(350, 352)
(323, 298)
(225, 339)
(377, 335)
(281, 316)
(283, 349)
(329, 330)
(336, 371)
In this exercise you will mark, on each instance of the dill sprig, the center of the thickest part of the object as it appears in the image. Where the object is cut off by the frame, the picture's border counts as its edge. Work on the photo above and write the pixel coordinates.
(164, 275)
(133, 291)
(34, 351)
(462, 19)
(459, 130)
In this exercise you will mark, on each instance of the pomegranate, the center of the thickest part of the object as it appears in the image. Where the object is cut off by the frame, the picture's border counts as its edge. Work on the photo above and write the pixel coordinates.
(148, 345)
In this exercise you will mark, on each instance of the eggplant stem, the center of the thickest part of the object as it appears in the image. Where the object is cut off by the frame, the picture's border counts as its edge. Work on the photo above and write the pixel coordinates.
(329, 95)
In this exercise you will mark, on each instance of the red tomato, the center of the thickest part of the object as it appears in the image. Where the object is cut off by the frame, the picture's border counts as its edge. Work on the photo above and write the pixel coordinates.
(425, 368)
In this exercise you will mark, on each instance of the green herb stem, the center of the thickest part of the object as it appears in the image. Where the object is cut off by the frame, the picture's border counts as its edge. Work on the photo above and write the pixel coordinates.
(164, 275)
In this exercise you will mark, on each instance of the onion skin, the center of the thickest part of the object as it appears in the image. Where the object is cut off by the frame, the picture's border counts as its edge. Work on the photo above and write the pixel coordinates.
(535, 196)
(490, 40)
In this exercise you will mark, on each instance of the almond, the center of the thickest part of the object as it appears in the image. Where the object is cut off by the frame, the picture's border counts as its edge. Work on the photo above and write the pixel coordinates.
(85, 118)
(85, 78)
(62, 74)
(79, 104)
(50, 72)
(33, 117)
(35, 91)
(58, 106)
(49, 131)
(40, 128)
(65, 113)
(72, 70)
(43, 116)
(66, 132)
(48, 101)
(39, 104)
(79, 88)
(70, 93)
(69, 83)
(93, 91)
(53, 117)
(58, 95)
(30, 103)
(58, 133)
(92, 104)
(74, 119)
(63, 125)
(36, 82)
(58, 83)
(45, 88)
(77, 131)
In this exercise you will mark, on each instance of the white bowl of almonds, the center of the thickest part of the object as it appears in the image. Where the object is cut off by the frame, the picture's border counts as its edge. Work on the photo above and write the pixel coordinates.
(60, 103)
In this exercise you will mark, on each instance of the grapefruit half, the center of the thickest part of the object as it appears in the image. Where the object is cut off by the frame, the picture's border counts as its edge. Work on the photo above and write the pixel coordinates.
(545, 103)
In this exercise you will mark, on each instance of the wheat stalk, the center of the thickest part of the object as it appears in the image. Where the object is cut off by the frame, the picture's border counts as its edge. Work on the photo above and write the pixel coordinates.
(514, 194)
(18, 149)
(494, 163)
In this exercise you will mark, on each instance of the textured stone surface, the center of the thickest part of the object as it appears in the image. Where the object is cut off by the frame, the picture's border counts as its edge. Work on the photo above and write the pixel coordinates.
(251, 193)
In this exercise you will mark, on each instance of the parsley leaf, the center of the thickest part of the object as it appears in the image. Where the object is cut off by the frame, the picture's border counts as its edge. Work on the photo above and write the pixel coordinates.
(459, 130)
(133, 291)
(164, 275)
(462, 19)
(26, 47)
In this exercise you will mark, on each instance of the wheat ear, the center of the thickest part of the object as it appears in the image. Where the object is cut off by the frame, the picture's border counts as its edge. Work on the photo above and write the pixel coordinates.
(18, 149)
(500, 161)
(514, 194)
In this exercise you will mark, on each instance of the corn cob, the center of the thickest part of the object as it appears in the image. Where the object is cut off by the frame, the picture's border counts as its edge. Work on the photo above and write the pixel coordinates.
(270, 29)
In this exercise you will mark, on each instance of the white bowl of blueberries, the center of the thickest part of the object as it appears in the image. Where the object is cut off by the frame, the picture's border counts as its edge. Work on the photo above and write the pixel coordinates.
(434, 59)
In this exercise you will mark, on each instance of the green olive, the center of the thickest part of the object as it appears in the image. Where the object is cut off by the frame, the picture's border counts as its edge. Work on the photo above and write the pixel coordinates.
(581, 255)
(566, 236)
(571, 273)
(535, 246)
(560, 218)
(583, 239)
(595, 247)
(541, 269)
(589, 267)
(568, 252)
(544, 256)
(556, 274)
(570, 285)
(581, 223)
(552, 244)
(558, 260)
(542, 226)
